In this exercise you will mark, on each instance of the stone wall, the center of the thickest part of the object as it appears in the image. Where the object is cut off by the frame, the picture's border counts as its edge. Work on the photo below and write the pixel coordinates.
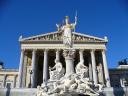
(18, 92)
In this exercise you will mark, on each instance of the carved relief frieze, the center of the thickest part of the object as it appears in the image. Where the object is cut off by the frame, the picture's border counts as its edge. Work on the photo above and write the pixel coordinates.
(58, 36)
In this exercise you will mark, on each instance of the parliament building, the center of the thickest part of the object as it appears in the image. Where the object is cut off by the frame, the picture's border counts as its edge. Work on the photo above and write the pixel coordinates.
(63, 55)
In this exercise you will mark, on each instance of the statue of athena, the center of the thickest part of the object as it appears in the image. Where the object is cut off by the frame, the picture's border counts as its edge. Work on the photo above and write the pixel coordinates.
(67, 35)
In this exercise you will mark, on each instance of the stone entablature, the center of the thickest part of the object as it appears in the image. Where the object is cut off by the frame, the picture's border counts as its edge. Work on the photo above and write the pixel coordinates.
(89, 42)
(60, 46)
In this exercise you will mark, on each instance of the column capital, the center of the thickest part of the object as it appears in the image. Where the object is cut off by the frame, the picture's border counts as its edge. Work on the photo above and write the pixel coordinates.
(103, 50)
(92, 50)
(81, 50)
(57, 50)
(33, 53)
(46, 50)
(68, 53)
(34, 49)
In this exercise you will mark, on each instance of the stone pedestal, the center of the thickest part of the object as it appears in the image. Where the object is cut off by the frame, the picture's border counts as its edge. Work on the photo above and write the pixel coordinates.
(69, 60)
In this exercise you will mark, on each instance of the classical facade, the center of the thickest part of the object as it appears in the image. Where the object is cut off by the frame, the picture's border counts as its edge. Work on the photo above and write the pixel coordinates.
(42, 52)
(44, 49)
(62, 62)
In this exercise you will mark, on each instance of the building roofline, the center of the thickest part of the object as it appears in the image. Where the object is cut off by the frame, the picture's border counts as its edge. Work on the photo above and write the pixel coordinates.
(76, 33)
(9, 70)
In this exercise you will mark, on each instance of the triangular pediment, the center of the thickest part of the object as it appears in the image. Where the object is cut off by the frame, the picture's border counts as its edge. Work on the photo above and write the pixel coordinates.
(58, 36)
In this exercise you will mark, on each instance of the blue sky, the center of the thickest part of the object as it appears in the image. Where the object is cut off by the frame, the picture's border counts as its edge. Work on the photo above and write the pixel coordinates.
(31, 17)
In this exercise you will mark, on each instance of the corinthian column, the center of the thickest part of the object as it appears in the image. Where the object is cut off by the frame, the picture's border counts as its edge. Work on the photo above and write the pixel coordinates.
(45, 67)
(24, 70)
(21, 68)
(14, 81)
(4, 80)
(94, 66)
(107, 79)
(90, 71)
(81, 56)
(100, 71)
(57, 55)
(33, 67)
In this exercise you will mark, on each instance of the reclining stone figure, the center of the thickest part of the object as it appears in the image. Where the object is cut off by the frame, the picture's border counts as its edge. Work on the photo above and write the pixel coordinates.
(81, 69)
(57, 71)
